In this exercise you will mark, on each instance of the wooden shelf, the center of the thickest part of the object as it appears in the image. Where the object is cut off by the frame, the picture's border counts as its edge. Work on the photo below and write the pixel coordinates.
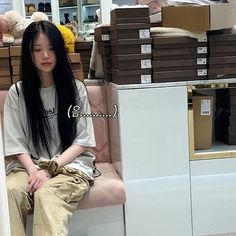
(218, 150)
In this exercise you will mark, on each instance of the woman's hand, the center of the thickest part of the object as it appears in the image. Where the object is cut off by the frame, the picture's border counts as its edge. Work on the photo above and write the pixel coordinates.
(37, 179)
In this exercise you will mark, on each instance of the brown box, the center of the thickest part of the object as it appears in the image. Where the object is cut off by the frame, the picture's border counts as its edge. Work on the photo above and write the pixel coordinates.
(15, 51)
(4, 52)
(130, 31)
(130, 12)
(15, 78)
(83, 46)
(76, 66)
(15, 70)
(101, 33)
(78, 74)
(191, 63)
(131, 76)
(173, 40)
(180, 75)
(195, 52)
(222, 71)
(131, 46)
(5, 71)
(5, 82)
(202, 121)
(74, 57)
(131, 61)
(4, 62)
(200, 18)
(127, 20)
(104, 48)
(15, 61)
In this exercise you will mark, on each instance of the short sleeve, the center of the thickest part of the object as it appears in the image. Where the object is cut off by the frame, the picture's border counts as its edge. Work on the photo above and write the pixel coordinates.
(14, 134)
(84, 127)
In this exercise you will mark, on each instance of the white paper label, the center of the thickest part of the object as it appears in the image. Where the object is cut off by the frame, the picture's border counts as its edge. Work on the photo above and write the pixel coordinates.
(201, 50)
(201, 72)
(146, 64)
(201, 61)
(105, 37)
(144, 33)
(146, 48)
(145, 79)
(202, 38)
(205, 107)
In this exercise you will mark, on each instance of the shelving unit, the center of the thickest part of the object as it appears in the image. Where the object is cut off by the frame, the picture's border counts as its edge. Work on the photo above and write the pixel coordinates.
(218, 149)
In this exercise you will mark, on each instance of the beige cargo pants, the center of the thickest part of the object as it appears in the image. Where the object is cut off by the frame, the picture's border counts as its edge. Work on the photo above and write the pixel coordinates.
(50, 203)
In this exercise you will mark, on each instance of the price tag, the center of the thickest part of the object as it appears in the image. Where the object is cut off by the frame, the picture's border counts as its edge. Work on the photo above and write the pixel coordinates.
(201, 72)
(201, 50)
(105, 37)
(145, 79)
(205, 107)
(146, 64)
(144, 33)
(201, 61)
(147, 48)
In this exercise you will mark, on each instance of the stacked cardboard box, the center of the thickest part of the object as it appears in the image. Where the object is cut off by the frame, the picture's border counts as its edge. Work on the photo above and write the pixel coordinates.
(84, 49)
(5, 73)
(222, 54)
(131, 50)
(15, 59)
(102, 37)
(225, 116)
(76, 65)
(15, 56)
(202, 120)
(179, 58)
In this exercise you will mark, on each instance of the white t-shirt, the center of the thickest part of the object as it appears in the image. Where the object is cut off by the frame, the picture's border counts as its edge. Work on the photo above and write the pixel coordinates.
(16, 128)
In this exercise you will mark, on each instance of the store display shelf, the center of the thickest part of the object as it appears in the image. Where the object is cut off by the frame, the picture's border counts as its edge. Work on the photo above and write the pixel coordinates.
(211, 84)
(218, 150)
(91, 5)
(67, 7)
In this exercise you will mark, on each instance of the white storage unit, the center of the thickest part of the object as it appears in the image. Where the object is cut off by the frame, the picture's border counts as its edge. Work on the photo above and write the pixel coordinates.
(154, 157)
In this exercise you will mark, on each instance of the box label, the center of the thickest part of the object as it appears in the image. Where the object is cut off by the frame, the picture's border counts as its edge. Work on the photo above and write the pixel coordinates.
(201, 61)
(105, 37)
(146, 64)
(201, 72)
(205, 107)
(202, 38)
(201, 50)
(144, 33)
(145, 79)
(146, 48)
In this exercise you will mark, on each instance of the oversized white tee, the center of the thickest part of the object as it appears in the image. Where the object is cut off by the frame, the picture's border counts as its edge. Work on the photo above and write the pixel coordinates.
(17, 138)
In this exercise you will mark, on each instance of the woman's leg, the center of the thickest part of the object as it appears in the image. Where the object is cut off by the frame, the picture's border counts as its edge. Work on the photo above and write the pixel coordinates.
(19, 201)
(51, 204)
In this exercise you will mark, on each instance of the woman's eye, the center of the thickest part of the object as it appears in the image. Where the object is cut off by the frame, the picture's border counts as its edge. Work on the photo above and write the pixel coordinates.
(36, 50)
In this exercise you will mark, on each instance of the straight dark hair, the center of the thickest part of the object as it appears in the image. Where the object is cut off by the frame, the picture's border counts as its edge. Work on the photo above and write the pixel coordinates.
(66, 91)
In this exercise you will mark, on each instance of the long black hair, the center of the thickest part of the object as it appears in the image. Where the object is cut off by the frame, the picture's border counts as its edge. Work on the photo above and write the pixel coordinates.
(66, 91)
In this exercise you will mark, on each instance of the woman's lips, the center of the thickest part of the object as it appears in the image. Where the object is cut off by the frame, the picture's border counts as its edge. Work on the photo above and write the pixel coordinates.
(46, 63)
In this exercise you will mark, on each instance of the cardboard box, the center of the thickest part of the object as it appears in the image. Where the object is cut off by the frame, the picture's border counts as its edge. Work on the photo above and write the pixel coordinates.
(4, 62)
(4, 52)
(15, 61)
(202, 120)
(5, 71)
(74, 57)
(200, 18)
(15, 51)
(5, 82)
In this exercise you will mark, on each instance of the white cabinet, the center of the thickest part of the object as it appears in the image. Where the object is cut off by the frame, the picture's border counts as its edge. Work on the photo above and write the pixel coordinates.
(154, 157)
(213, 185)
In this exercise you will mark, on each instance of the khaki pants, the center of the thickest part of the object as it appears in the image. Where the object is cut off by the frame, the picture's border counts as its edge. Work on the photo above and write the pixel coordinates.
(50, 203)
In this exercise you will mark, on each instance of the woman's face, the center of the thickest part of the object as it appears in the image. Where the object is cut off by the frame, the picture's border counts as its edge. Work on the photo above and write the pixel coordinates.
(43, 54)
